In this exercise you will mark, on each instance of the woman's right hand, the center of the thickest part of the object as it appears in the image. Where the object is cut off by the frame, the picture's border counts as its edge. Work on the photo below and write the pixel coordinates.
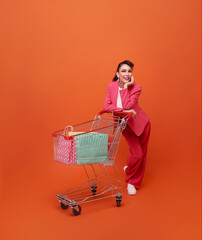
(131, 111)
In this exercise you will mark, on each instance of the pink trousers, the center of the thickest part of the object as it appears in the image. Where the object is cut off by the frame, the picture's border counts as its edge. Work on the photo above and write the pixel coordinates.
(136, 160)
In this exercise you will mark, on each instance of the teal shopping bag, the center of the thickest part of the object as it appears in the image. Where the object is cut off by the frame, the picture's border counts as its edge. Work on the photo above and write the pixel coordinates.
(91, 148)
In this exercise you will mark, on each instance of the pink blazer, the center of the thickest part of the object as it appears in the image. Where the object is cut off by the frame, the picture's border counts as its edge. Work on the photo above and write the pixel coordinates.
(129, 97)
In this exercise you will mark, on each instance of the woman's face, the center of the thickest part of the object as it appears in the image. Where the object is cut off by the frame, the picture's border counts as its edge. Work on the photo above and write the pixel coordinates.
(124, 74)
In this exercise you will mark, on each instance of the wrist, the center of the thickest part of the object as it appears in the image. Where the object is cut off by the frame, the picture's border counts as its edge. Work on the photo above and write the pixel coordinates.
(125, 86)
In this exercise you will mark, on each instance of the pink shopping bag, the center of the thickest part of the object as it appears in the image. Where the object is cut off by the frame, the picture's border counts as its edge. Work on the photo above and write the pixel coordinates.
(66, 151)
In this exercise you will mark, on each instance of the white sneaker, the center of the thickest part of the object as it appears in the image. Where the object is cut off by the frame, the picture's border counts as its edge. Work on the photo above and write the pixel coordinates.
(131, 189)
(124, 168)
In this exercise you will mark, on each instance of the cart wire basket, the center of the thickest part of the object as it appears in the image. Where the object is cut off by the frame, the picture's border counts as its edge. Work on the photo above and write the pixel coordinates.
(93, 145)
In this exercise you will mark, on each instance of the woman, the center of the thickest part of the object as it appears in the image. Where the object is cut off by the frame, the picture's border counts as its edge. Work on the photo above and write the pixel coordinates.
(122, 95)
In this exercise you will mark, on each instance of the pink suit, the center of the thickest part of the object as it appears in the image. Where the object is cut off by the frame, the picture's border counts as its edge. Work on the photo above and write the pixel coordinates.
(136, 132)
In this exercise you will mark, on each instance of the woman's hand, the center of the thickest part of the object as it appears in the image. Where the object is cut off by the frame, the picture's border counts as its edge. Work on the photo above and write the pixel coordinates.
(129, 83)
(131, 111)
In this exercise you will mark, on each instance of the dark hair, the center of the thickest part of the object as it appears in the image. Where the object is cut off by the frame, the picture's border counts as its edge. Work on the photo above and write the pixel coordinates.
(129, 63)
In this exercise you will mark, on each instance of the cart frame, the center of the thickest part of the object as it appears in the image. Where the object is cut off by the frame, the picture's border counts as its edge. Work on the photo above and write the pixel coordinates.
(100, 183)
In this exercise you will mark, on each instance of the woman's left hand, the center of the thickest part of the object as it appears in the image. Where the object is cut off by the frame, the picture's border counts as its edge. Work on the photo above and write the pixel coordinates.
(129, 83)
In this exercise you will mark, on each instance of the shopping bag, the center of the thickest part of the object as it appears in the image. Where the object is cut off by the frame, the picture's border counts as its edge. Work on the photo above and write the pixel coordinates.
(66, 151)
(91, 148)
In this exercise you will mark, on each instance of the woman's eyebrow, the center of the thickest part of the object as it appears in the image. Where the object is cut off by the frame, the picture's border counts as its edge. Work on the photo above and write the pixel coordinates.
(126, 69)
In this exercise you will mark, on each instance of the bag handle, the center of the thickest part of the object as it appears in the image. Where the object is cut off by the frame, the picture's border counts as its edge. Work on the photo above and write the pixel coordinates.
(66, 130)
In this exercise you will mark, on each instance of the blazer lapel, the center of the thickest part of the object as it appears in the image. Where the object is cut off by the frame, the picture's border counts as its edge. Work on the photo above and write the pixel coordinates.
(115, 92)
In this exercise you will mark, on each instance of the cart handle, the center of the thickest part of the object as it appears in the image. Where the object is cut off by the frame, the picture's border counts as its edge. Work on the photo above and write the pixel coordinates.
(125, 114)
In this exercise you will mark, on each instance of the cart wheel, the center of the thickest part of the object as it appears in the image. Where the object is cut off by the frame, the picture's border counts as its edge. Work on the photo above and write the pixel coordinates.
(76, 210)
(118, 200)
(118, 203)
(63, 206)
(94, 189)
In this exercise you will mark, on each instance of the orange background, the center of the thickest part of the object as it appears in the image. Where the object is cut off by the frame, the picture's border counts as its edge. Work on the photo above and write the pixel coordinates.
(57, 58)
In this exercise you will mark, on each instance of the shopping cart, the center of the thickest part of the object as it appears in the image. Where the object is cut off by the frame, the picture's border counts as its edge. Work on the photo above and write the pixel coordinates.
(93, 145)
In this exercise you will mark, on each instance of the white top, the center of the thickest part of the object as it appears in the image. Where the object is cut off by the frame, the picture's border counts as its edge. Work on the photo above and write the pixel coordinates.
(119, 102)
